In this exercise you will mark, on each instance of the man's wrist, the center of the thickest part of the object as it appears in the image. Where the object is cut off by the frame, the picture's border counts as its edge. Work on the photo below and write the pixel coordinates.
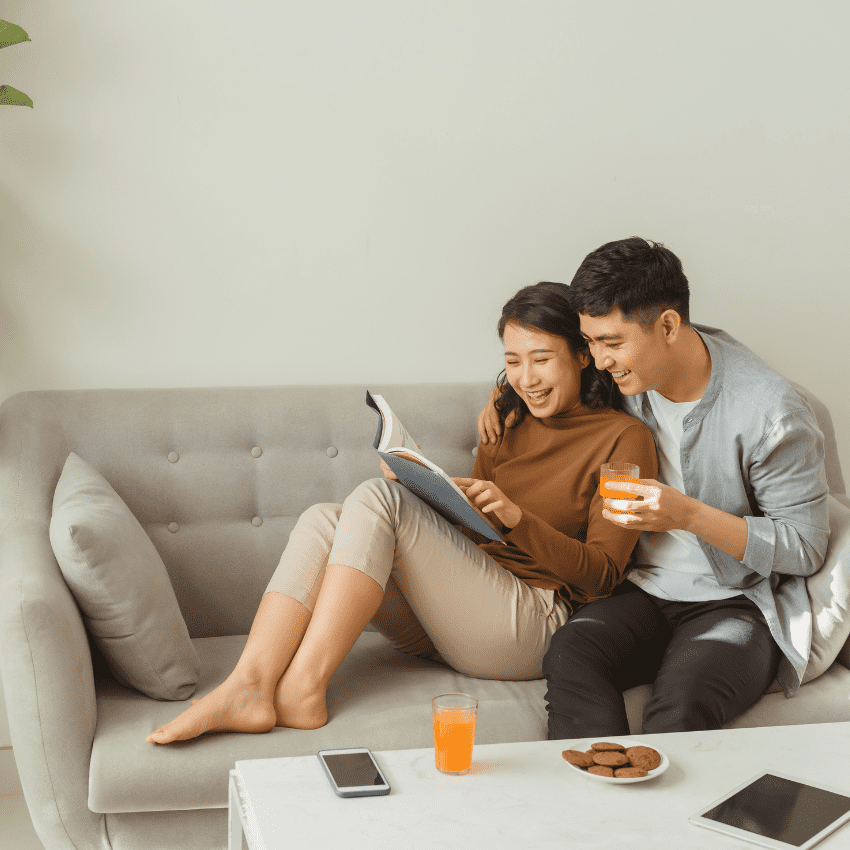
(692, 515)
(722, 530)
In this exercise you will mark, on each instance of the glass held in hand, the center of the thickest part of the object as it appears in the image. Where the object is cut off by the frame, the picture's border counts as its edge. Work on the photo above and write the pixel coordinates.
(609, 475)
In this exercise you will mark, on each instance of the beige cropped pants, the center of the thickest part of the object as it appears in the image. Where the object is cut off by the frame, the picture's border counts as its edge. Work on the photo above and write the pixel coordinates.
(443, 597)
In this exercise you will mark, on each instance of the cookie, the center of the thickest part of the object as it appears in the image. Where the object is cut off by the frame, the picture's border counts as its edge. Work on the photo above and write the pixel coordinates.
(611, 758)
(629, 772)
(605, 746)
(601, 770)
(578, 758)
(644, 757)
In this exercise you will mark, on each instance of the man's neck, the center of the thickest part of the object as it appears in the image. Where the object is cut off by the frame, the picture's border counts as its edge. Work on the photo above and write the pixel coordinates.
(689, 368)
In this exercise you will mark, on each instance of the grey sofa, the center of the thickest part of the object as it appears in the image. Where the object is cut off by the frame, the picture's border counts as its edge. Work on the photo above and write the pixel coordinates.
(217, 478)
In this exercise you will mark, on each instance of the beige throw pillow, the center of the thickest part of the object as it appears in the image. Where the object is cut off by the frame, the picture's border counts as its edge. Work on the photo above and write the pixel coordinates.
(829, 595)
(121, 586)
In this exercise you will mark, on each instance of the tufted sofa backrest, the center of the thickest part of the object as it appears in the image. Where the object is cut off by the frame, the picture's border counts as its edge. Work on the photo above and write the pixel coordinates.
(218, 476)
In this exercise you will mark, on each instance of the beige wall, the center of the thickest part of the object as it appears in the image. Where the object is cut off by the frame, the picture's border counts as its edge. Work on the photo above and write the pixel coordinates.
(213, 193)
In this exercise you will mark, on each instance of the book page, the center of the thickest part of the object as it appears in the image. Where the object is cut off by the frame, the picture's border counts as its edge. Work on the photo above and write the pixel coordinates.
(398, 450)
(394, 434)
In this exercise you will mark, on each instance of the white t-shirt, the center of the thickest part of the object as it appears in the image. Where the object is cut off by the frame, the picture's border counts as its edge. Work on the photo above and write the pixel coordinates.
(679, 569)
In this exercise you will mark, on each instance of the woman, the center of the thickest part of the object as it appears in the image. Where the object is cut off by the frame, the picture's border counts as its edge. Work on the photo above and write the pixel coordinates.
(485, 609)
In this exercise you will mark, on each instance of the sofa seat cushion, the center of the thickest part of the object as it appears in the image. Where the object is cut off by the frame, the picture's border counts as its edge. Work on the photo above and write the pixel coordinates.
(378, 698)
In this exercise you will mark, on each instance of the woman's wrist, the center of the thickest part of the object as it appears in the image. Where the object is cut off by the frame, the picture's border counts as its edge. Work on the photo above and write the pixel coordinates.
(511, 516)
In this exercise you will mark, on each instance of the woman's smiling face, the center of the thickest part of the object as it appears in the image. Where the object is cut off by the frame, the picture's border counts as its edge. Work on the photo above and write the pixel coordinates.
(543, 370)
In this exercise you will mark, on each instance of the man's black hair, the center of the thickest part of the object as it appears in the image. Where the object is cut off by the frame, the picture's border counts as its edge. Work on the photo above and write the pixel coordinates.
(641, 278)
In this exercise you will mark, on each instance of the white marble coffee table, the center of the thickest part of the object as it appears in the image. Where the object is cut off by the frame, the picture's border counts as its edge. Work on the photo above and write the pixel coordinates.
(525, 795)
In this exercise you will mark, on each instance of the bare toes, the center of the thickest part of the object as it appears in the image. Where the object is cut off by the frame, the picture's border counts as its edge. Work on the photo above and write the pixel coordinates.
(232, 712)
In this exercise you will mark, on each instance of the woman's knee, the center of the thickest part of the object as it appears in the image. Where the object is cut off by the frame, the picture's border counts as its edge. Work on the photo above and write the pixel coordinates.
(385, 498)
(323, 514)
(376, 485)
(383, 491)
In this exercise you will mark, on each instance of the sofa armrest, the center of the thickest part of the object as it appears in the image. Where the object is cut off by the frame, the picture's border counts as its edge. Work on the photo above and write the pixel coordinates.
(844, 499)
(49, 685)
(843, 656)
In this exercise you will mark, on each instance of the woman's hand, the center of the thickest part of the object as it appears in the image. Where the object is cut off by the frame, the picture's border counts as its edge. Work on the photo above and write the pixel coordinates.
(486, 497)
(489, 427)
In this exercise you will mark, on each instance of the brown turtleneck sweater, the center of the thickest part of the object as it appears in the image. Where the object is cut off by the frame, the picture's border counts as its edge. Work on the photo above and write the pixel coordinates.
(550, 469)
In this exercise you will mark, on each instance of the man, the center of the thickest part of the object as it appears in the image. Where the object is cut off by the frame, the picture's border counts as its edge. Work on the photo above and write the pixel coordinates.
(715, 606)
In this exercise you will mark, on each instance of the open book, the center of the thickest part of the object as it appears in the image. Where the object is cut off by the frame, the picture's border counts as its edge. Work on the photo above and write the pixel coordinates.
(400, 453)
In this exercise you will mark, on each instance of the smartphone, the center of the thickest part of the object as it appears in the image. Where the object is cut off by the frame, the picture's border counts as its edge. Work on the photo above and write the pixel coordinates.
(353, 772)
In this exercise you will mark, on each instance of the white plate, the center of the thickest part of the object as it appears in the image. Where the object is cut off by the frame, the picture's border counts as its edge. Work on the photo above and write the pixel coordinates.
(584, 745)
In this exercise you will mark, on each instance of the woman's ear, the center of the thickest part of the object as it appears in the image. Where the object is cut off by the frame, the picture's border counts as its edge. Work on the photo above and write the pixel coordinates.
(584, 358)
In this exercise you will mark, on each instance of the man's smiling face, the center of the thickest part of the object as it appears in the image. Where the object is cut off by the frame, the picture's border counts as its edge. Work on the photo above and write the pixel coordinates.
(636, 359)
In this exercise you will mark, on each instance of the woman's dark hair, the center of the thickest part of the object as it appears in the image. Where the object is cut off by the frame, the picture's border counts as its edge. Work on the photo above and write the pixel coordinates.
(641, 278)
(547, 307)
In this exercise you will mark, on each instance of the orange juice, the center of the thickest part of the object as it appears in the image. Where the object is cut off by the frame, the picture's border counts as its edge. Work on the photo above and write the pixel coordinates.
(613, 472)
(454, 731)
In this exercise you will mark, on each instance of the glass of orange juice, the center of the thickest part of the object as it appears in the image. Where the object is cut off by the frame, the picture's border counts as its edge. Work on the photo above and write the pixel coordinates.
(612, 472)
(454, 731)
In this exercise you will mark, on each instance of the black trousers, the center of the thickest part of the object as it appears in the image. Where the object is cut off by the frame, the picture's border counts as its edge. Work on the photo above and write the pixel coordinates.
(707, 661)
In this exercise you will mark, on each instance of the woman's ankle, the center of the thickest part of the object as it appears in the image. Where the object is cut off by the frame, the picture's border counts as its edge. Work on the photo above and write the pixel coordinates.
(301, 705)
(252, 678)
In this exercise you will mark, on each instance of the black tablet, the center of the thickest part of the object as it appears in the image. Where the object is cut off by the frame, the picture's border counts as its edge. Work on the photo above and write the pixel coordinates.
(778, 811)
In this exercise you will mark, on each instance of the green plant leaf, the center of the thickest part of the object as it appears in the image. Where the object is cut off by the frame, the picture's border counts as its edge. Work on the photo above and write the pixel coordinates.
(11, 34)
(13, 97)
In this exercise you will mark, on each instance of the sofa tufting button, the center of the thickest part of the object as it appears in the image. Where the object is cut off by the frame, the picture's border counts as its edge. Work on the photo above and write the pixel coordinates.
(172, 527)
(256, 451)
(173, 457)
(475, 452)
(331, 452)
(257, 521)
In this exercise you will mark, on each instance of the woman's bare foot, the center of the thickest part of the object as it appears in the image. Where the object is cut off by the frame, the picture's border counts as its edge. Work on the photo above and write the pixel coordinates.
(298, 706)
(233, 706)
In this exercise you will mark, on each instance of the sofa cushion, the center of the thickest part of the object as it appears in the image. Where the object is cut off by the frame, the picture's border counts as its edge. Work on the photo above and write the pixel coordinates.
(378, 698)
(121, 585)
(829, 594)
